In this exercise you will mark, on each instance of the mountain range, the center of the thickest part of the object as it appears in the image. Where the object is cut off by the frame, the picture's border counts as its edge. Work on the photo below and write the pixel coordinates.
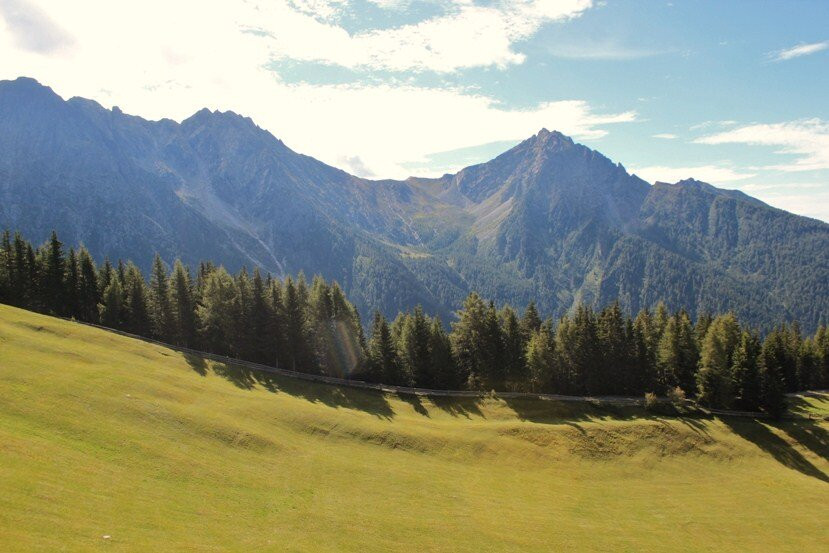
(549, 220)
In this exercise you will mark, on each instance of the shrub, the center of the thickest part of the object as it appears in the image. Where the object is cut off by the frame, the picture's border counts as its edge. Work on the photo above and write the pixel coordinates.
(676, 396)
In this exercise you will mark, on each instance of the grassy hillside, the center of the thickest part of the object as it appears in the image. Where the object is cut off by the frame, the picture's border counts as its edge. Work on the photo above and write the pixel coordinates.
(106, 435)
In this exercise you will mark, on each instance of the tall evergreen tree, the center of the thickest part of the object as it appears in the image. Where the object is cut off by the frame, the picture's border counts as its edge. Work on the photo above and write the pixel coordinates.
(382, 361)
(217, 325)
(72, 283)
(88, 294)
(112, 308)
(540, 355)
(137, 308)
(413, 350)
(183, 306)
(54, 268)
(773, 359)
(714, 379)
(161, 306)
(515, 346)
(746, 372)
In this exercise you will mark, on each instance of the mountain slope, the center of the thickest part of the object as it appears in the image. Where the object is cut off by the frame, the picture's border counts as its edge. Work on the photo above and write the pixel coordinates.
(549, 220)
(102, 435)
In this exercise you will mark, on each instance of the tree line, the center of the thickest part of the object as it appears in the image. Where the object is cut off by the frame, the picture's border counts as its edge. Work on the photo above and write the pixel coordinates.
(312, 327)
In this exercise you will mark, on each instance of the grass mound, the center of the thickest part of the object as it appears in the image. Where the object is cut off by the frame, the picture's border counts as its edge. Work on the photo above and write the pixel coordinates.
(106, 435)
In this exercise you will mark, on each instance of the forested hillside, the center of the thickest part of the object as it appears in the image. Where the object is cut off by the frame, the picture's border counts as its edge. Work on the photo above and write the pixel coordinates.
(549, 221)
(314, 328)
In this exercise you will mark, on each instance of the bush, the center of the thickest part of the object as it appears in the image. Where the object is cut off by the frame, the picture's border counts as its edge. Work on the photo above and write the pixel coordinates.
(676, 396)
(651, 402)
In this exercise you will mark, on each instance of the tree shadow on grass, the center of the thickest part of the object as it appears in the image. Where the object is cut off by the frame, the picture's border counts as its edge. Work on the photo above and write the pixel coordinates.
(370, 401)
(760, 435)
(458, 406)
(196, 363)
(415, 402)
(810, 435)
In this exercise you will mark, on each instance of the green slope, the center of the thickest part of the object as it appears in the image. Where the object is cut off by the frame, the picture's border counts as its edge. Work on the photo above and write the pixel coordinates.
(106, 435)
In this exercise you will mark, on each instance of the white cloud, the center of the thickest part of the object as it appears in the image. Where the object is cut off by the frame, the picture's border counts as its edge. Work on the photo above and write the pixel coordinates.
(797, 51)
(808, 139)
(465, 35)
(812, 204)
(713, 174)
(156, 60)
(666, 136)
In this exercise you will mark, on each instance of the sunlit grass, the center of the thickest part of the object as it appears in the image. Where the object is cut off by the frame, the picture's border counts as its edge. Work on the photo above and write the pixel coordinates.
(106, 435)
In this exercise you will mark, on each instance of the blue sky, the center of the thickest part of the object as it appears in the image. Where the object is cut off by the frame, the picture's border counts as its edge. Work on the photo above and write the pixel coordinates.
(733, 93)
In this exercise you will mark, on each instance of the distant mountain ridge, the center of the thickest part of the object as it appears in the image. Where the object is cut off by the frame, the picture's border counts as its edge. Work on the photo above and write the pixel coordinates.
(549, 220)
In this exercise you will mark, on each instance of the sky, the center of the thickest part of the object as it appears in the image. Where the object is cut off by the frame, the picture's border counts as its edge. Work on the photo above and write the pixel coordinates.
(733, 93)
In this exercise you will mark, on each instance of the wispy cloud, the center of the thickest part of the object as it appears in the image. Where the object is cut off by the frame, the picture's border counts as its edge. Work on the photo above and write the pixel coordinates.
(807, 139)
(714, 174)
(666, 136)
(602, 51)
(798, 51)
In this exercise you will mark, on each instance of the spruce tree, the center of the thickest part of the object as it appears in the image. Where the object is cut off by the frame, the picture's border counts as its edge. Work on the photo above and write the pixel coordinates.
(137, 308)
(467, 337)
(444, 373)
(773, 359)
(746, 372)
(162, 315)
(88, 294)
(413, 350)
(714, 379)
(217, 324)
(183, 305)
(261, 319)
(72, 282)
(540, 355)
(53, 276)
(112, 305)
(382, 361)
(515, 368)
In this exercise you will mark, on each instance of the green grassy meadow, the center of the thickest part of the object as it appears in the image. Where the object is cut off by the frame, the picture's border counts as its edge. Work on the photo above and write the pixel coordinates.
(103, 435)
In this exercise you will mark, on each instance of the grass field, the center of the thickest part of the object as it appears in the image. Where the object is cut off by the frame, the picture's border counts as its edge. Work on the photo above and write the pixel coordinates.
(102, 435)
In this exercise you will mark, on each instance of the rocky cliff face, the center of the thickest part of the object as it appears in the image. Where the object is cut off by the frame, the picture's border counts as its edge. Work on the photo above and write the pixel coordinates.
(549, 220)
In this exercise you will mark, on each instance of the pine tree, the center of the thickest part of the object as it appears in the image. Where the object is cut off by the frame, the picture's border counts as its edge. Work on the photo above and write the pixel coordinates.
(217, 325)
(297, 347)
(161, 306)
(183, 306)
(413, 350)
(467, 337)
(112, 305)
(105, 275)
(515, 367)
(137, 309)
(530, 321)
(6, 267)
(88, 294)
(540, 355)
(444, 373)
(773, 359)
(746, 372)
(610, 333)
(382, 362)
(586, 355)
(242, 341)
(72, 282)
(714, 379)
(276, 325)
(261, 321)
(54, 268)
